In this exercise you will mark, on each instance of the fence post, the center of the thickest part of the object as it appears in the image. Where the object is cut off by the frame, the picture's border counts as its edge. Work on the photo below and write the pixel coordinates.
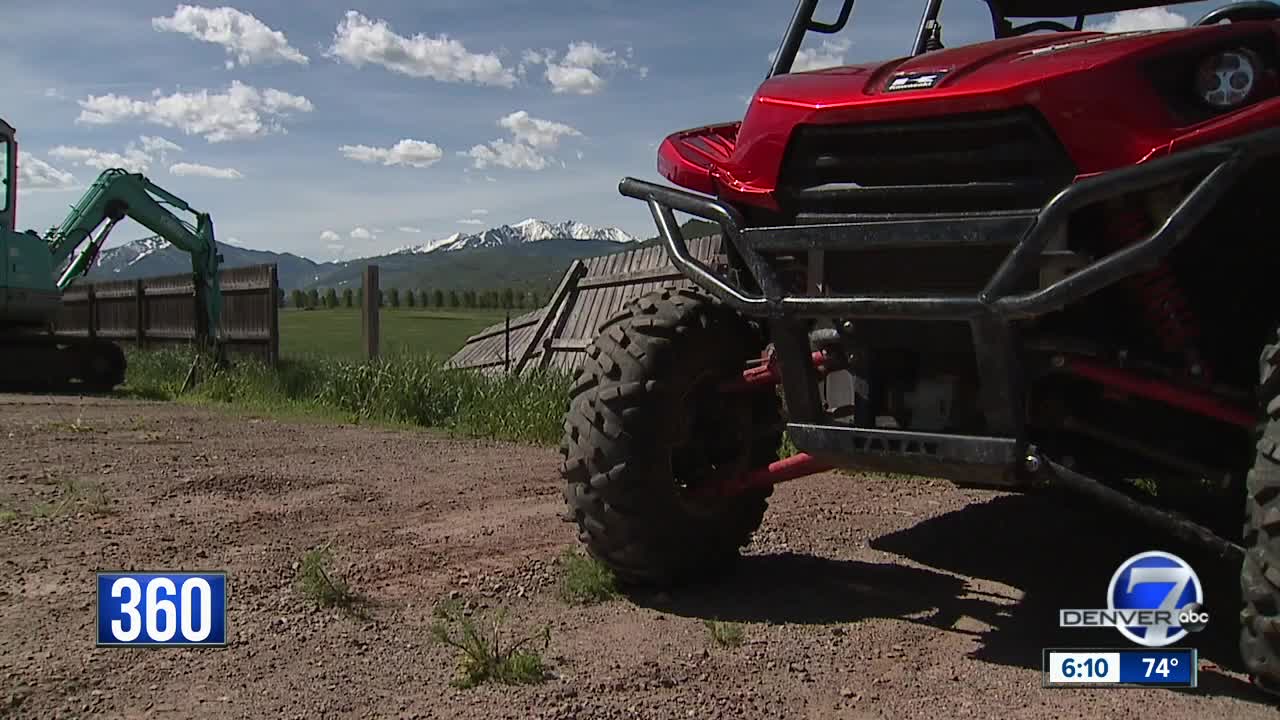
(273, 344)
(140, 307)
(506, 362)
(201, 318)
(369, 313)
(90, 300)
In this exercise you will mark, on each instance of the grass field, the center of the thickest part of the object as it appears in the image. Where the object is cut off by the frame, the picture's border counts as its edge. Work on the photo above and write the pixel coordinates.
(336, 333)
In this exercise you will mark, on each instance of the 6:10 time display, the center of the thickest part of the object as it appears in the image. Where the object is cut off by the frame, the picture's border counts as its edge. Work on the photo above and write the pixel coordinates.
(1083, 667)
(1089, 668)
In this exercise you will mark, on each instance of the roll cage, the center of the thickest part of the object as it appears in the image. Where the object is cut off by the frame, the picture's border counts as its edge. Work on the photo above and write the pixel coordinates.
(1003, 12)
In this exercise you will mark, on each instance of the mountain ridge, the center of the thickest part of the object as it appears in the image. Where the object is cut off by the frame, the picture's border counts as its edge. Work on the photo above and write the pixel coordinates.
(525, 231)
(521, 262)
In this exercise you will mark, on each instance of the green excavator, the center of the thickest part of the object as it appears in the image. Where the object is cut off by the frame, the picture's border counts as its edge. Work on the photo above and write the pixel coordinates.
(36, 270)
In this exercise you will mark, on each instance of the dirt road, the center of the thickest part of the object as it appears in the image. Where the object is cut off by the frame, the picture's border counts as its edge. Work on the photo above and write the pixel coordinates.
(860, 598)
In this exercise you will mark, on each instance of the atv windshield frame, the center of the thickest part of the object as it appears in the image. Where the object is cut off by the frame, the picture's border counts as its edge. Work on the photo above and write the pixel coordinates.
(803, 22)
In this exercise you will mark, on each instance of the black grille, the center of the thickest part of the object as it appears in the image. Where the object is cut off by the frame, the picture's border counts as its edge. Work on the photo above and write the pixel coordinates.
(1008, 160)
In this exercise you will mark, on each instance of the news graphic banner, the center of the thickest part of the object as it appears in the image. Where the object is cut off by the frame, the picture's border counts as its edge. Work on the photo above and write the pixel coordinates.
(1124, 667)
(138, 609)
(1154, 599)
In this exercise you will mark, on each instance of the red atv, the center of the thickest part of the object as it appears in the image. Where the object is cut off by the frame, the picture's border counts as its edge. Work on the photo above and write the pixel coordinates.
(1044, 261)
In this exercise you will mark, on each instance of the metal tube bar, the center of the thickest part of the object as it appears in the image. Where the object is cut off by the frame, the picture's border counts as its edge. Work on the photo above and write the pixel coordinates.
(1132, 258)
(1194, 401)
(793, 38)
(922, 34)
(1062, 478)
(779, 471)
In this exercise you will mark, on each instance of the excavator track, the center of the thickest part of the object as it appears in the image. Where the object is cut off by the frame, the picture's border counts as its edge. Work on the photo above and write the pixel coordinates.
(46, 363)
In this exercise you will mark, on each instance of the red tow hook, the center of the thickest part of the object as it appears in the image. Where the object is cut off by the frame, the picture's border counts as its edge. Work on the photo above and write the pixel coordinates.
(767, 374)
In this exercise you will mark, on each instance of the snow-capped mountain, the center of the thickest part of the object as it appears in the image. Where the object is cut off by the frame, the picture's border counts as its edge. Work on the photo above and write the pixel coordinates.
(122, 256)
(526, 231)
(152, 256)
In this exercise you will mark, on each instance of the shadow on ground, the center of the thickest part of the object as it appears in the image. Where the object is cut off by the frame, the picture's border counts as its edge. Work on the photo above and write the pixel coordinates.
(1049, 555)
(793, 588)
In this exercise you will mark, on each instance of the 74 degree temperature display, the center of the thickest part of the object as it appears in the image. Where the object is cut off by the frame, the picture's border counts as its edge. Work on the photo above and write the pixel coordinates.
(1134, 667)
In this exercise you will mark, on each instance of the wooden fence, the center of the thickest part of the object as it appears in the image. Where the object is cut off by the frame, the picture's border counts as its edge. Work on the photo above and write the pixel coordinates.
(591, 291)
(163, 310)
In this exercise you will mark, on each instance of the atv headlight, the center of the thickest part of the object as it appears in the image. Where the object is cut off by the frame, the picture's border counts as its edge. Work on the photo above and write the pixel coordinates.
(1227, 79)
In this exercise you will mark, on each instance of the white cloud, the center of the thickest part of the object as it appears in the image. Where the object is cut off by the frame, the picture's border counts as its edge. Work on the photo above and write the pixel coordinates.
(361, 234)
(535, 132)
(360, 41)
(490, 179)
(501, 153)
(336, 247)
(153, 145)
(409, 229)
(830, 53)
(329, 236)
(54, 93)
(239, 113)
(576, 72)
(532, 137)
(410, 153)
(576, 80)
(197, 170)
(134, 158)
(470, 221)
(233, 241)
(480, 211)
(36, 174)
(1154, 18)
(585, 54)
(137, 156)
(245, 37)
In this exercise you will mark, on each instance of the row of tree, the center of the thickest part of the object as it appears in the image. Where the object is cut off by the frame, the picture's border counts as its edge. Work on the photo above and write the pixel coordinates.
(507, 298)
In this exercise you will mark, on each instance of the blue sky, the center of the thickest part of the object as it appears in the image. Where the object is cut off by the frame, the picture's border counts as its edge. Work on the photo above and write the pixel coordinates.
(342, 130)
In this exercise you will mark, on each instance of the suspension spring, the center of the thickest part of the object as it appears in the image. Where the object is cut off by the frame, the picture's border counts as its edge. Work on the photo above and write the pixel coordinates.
(1158, 292)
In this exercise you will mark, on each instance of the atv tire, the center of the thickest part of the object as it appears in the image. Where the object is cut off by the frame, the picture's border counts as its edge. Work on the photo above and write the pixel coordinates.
(1260, 574)
(646, 425)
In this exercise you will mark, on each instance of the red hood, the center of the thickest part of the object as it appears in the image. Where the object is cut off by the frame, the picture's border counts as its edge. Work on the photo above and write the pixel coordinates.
(985, 67)
(1092, 88)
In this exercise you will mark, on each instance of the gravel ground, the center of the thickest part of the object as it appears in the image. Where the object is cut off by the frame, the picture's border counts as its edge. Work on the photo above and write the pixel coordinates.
(860, 598)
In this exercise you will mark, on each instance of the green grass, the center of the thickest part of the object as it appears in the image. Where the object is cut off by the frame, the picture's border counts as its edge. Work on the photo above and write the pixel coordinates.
(319, 584)
(725, 634)
(425, 331)
(89, 496)
(584, 580)
(400, 389)
(482, 654)
(73, 496)
(8, 515)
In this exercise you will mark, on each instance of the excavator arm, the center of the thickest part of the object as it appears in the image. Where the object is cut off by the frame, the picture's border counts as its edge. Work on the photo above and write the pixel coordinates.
(118, 194)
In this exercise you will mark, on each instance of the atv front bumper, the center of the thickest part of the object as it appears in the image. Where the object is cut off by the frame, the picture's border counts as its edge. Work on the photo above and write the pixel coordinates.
(1034, 238)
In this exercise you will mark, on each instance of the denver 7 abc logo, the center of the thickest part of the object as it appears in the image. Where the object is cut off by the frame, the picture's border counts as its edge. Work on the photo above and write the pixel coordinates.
(1154, 599)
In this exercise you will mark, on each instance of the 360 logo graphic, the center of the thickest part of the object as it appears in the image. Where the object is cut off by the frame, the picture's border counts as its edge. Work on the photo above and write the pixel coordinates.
(1154, 599)
(162, 608)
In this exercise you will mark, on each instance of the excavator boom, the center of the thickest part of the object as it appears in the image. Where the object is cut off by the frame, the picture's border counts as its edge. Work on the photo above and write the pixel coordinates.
(117, 194)
(38, 269)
